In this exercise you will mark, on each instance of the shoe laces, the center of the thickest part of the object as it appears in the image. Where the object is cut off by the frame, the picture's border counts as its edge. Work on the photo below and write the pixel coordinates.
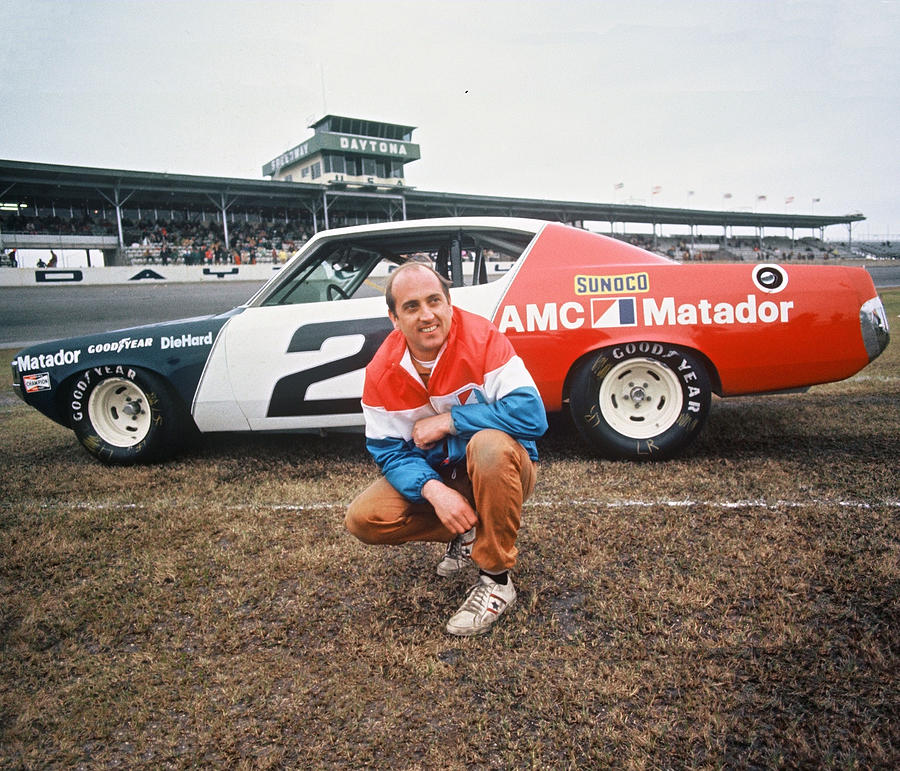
(478, 598)
(454, 550)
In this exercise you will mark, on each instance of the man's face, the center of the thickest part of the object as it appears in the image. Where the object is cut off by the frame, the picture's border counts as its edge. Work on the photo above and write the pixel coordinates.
(423, 314)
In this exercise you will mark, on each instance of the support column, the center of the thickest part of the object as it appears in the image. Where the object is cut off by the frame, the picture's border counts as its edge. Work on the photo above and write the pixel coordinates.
(225, 225)
(118, 202)
(223, 205)
(119, 221)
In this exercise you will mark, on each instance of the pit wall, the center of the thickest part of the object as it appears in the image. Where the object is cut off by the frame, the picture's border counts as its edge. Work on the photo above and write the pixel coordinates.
(134, 274)
(169, 274)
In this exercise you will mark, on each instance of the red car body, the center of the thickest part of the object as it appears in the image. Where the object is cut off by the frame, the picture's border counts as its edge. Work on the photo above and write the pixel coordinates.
(803, 331)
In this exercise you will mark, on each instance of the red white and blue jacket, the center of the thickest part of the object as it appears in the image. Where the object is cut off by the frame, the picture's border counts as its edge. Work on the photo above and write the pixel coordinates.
(477, 378)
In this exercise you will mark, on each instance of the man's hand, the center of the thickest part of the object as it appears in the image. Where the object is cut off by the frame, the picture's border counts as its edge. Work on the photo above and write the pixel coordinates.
(450, 506)
(429, 431)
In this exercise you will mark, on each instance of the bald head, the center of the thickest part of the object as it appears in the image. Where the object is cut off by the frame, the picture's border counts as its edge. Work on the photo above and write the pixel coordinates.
(413, 272)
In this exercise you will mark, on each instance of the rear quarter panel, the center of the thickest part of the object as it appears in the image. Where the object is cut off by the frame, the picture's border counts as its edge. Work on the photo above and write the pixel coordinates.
(763, 328)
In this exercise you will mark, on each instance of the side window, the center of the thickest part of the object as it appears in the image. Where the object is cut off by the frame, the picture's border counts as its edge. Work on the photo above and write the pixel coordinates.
(359, 265)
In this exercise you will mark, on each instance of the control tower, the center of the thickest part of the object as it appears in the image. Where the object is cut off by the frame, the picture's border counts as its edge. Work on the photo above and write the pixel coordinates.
(348, 153)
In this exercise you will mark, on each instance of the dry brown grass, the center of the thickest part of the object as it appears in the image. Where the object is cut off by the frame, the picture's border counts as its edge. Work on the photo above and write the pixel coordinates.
(734, 608)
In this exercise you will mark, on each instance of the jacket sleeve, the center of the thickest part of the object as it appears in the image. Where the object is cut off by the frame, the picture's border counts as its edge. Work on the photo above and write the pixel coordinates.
(389, 430)
(510, 400)
(520, 413)
(403, 464)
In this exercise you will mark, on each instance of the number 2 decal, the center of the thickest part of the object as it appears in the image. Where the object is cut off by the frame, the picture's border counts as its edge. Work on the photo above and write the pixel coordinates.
(289, 395)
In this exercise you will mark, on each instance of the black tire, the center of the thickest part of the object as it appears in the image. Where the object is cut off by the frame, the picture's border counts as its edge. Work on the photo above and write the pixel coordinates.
(124, 415)
(640, 401)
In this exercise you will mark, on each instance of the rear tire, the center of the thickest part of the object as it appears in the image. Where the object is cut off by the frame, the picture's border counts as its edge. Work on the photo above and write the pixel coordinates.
(640, 401)
(124, 415)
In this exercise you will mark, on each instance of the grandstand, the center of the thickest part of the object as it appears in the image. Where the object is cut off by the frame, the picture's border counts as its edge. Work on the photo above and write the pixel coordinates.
(877, 250)
(350, 172)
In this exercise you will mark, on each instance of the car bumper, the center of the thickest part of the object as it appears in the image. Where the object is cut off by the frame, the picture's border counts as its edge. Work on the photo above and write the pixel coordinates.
(874, 326)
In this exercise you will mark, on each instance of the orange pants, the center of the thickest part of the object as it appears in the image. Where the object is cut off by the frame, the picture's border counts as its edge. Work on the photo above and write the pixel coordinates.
(499, 476)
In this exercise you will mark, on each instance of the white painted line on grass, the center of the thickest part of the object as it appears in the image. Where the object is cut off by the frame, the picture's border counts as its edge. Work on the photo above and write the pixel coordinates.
(741, 504)
(546, 504)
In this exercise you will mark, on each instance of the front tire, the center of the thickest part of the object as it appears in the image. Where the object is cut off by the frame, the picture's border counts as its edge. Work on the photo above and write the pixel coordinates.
(640, 401)
(124, 415)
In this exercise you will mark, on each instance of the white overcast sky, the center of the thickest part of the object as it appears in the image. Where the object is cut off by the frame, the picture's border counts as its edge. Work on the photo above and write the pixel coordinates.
(530, 98)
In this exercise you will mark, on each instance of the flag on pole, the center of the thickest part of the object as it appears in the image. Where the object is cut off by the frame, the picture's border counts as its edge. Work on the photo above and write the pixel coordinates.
(657, 189)
(620, 185)
(789, 199)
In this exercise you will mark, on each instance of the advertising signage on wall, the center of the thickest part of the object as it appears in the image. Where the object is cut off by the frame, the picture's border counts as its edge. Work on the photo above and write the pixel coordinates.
(346, 144)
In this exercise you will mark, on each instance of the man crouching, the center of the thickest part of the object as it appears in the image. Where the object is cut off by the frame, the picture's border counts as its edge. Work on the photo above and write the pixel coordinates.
(451, 418)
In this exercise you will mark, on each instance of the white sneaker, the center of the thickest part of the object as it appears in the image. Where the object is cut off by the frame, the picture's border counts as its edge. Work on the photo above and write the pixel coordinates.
(487, 601)
(458, 555)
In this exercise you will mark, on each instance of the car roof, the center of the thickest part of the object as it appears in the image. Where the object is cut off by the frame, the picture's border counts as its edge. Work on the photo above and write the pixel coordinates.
(504, 223)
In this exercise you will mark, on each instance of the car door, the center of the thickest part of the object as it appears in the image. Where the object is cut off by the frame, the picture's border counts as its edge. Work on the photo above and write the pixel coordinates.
(302, 366)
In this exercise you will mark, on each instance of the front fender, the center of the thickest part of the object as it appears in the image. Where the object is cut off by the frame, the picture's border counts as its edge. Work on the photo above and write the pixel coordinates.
(45, 374)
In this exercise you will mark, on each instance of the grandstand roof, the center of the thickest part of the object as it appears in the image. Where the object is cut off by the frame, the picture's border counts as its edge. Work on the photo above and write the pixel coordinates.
(43, 183)
(369, 128)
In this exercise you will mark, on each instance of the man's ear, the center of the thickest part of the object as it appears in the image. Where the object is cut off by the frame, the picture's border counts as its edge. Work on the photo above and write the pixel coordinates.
(394, 320)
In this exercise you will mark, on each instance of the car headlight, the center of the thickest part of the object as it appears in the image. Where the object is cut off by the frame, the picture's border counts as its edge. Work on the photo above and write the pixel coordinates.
(874, 325)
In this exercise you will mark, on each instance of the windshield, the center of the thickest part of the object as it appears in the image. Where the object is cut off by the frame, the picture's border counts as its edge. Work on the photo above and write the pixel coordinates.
(330, 274)
(359, 265)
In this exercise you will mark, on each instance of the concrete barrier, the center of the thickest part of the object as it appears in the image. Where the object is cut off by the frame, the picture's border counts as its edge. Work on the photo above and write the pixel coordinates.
(182, 274)
(134, 274)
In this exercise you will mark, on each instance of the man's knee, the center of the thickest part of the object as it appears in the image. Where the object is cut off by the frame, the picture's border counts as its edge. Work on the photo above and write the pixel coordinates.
(491, 448)
(356, 521)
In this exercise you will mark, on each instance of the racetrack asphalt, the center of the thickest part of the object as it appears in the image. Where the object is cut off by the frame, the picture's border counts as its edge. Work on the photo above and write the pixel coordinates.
(31, 315)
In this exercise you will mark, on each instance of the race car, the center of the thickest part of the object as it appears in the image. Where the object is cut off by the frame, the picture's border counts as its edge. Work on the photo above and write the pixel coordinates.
(631, 343)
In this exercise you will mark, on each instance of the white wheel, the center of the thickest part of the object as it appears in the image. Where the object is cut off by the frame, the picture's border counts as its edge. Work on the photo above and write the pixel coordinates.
(119, 412)
(125, 415)
(641, 401)
(640, 398)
